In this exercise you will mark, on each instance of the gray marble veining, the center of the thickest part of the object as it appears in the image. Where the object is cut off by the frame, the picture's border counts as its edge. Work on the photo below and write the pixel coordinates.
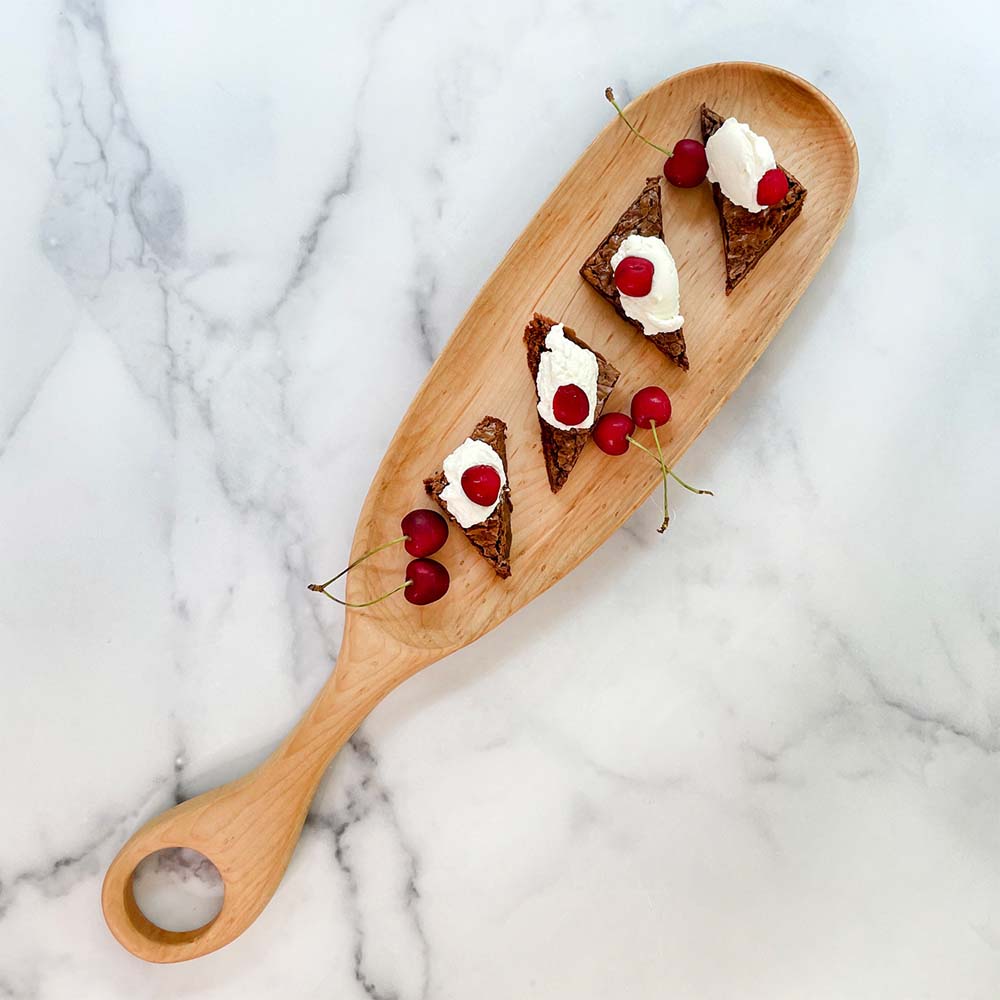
(234, 242)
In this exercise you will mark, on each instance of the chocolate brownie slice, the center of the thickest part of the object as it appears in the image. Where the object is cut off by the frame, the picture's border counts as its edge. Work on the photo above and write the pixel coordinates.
(642, 218)
(562, 448)
(492, 537)
(747, 236)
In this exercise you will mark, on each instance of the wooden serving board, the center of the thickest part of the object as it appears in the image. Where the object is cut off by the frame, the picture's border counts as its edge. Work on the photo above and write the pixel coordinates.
(249, 828)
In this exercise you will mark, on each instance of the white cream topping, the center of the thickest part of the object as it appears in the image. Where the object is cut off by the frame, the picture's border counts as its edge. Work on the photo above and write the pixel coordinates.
(659, 310)
(469, 453)
(737, 159)
(565, 363)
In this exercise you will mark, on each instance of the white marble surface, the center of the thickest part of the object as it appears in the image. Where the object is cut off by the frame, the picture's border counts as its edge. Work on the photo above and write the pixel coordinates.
(757, 759)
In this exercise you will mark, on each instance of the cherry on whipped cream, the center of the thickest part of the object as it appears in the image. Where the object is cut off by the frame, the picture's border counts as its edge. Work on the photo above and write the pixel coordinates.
(772, 187)
(570, 405)
(481, 484)
(634, 277)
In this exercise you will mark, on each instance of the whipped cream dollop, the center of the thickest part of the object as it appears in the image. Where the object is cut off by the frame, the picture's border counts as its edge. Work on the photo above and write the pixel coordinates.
(565, 363)
(659, 311)
(469, 453)
(737, 159)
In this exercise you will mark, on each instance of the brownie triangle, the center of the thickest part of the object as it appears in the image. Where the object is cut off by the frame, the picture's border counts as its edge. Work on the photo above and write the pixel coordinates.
(562, 448)
(642, 218)
(747, 236)
(492, 537)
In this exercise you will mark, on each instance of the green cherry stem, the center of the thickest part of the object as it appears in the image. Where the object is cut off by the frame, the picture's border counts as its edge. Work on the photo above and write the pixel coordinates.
(362, 604)
(320, 588)
(704, 493)
(670, 471)
(610, 95)
(666, 473)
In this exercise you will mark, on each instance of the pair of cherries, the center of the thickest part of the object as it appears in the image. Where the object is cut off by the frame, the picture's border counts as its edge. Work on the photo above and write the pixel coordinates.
(425, 580)
(424, 532)
(686, 165)
(650, 409)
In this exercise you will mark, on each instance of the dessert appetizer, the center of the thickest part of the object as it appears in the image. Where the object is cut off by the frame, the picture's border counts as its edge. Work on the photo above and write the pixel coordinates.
(473, 491)
(572, 384)
(634, 271)
(756, 198)
(425, 580)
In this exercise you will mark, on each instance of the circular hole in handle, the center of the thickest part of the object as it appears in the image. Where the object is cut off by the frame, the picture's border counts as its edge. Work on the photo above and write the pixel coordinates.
(178, 889)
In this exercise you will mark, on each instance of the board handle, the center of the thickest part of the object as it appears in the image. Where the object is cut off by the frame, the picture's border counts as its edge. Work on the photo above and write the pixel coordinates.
(249, 828)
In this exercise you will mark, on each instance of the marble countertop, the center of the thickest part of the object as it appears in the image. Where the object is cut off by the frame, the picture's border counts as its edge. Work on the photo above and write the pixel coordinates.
(759, 758)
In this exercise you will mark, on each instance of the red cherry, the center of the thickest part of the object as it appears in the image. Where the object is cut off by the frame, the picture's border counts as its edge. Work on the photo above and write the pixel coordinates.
(570, 405)
(634, 277)
(425, 532)
(612, 433)
(651, 405)
(772, 187)
(688, 165)
(481, 484)
(427, 581)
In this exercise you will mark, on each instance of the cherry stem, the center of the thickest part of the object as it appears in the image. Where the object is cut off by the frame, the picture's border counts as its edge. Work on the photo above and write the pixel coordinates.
(693, 489)
(666, 472)
(670, 471)
(610, 95)
(321, 587)
(362, 604)
(666, 480)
